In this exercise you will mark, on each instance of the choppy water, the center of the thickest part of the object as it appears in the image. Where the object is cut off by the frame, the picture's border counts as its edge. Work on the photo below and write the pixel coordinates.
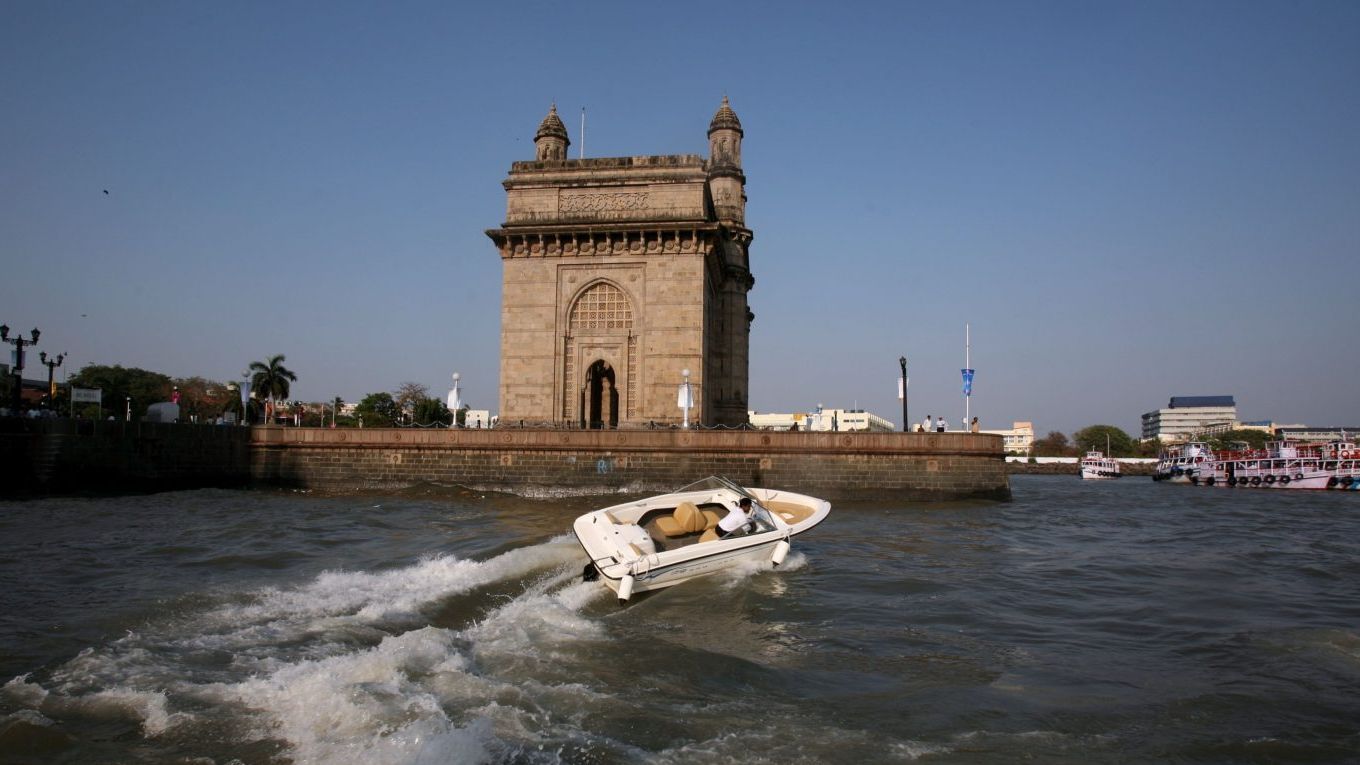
(1119, 621)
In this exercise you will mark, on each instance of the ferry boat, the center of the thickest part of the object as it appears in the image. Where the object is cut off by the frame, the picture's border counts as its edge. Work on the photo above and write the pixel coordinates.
(1284, 465)
(1097, 467)
(1181, 463)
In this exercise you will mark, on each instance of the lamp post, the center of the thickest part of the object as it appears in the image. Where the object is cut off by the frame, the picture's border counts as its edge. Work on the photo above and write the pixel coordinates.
(51, 374)
(906, 422)
(686, 395)
(18, 343)
(127, 415)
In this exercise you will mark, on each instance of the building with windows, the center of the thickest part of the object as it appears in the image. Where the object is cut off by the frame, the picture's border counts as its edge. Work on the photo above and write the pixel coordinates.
(1318, 433)
(1019, 439)
(821, 420)
(1187, 417)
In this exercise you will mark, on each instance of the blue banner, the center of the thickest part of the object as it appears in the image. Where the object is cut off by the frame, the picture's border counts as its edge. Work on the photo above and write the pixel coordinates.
(967, 382)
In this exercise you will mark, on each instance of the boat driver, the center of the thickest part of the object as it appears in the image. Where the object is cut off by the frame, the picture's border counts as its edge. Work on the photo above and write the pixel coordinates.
(735, 519)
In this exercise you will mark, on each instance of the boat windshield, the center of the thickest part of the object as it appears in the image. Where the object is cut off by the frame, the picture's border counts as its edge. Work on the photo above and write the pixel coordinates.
(763, 520)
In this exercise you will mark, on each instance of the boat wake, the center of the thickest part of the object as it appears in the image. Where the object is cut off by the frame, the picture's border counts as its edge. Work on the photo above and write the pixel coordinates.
(345, 668)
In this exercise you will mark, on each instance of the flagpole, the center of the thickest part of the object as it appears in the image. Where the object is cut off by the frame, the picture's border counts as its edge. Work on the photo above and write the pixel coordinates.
(967, 364)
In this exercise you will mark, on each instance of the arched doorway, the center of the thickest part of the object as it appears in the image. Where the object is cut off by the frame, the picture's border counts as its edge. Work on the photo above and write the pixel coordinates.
(600, 397)
(599, 359)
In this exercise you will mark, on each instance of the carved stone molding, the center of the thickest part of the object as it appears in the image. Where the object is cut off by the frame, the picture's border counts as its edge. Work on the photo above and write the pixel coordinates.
(621, 201)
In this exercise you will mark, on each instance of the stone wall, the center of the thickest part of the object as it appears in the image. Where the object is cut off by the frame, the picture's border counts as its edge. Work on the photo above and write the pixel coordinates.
(557, 462)
(61, 456)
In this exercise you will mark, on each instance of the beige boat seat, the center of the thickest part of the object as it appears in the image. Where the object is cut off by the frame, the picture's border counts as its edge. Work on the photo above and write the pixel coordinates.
(687, 519)
(710, 535)
(711, 518)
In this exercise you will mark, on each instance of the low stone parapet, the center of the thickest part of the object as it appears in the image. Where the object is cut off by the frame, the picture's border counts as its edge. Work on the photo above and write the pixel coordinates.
(561, 462)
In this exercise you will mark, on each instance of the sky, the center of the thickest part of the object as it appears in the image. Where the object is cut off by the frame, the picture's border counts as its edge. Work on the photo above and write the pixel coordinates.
(1123, 201)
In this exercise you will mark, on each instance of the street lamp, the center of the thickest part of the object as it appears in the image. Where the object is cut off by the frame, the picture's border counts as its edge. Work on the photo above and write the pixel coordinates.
(902, 393)
(19, 343)
(51, 372)
(127, 416)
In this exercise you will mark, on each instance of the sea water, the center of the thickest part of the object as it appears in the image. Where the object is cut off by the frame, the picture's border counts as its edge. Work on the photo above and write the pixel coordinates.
(1083, 622)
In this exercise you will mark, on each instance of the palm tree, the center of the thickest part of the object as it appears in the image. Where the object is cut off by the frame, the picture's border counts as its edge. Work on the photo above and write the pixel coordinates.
(271, 378)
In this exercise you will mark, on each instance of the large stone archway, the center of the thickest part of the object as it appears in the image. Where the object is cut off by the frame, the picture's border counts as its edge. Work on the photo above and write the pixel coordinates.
(639, 263)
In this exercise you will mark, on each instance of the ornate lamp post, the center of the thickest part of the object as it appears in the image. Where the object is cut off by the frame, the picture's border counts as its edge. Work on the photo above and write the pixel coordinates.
(18, 343)
(906, 422)
(51, 374)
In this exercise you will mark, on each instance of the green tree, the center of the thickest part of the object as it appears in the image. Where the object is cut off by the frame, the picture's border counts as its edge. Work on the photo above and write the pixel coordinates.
(1052, 445)
(1152, 447)
(408, 395)
(118, 384)
(1094, 437)
(270, 378)
(1255, 439)
(431, 411)
(377, 410)
(201, 399)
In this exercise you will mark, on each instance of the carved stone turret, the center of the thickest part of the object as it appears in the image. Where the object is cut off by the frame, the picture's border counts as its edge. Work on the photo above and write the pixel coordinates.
(551, 141)
(725, 178)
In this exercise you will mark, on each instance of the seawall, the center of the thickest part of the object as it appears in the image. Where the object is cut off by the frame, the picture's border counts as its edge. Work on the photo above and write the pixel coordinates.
(50, 456)
(557, 462)
(62, 456)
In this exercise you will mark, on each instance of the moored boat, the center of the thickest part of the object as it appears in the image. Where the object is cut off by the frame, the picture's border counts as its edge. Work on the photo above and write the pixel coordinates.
(1096, 466)
(664, 540)
(1284, 465)
(1181, 463)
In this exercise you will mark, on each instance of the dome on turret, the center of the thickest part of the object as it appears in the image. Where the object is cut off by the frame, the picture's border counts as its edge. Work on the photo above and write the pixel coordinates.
(725, 119)
(552, 126)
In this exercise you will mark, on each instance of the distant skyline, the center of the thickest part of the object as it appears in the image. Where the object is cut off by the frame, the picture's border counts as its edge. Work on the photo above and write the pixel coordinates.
(1126, 201)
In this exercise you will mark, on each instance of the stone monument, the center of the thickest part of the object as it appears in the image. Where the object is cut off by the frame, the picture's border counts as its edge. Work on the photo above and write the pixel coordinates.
(619, 272)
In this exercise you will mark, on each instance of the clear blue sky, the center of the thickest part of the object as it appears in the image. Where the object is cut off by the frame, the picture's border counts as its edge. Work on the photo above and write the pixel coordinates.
(1127, 201)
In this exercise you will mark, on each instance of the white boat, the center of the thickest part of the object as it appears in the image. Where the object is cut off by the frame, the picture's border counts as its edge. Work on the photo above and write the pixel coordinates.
(664, 540)
(1285, 465)
(1097, 467)
(1183, 462)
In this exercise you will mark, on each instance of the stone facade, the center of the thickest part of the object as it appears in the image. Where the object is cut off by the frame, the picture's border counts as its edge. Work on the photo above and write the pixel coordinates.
(897, 466)
(619, 274)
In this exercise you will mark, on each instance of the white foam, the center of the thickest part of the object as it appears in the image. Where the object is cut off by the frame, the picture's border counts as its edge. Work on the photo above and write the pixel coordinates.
(372, 706)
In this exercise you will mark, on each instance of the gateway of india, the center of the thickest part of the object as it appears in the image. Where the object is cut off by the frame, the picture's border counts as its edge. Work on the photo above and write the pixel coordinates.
(621, 274)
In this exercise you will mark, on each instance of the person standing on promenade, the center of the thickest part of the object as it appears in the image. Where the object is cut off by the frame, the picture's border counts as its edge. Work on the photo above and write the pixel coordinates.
(974, 426)
(926, 426)
(941, 425)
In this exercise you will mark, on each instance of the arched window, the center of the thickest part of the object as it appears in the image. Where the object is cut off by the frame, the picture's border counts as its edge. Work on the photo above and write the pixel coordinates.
(601, 307)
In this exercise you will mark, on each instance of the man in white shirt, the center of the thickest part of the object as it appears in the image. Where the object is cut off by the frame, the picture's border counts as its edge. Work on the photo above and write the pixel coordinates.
(941, 426)
(926, 425)
(735, 518)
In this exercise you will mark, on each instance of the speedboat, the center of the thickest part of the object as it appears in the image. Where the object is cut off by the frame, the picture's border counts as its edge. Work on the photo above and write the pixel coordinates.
(671, 538)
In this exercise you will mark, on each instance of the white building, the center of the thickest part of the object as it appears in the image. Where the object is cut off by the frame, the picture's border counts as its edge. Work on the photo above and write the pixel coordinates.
(1019, 439)
(477, 418)
(821, 420)
(1187, 417)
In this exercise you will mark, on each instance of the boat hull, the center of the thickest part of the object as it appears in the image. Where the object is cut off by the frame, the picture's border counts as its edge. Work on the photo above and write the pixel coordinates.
(645, 545)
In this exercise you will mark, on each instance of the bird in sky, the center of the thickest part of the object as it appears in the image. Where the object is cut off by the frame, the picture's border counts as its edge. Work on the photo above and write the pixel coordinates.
(106, 191)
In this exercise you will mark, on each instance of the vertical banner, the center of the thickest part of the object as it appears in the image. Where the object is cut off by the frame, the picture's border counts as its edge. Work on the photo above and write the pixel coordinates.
(967, 382)
(685, 397)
